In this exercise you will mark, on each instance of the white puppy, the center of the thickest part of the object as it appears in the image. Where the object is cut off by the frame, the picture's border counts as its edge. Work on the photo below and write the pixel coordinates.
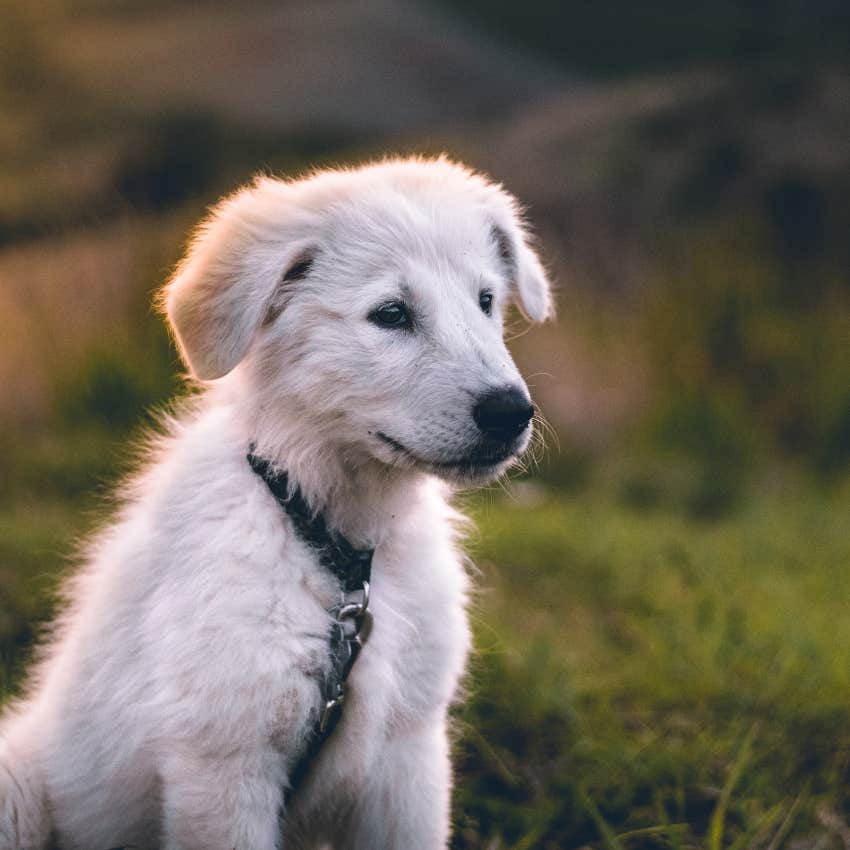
(348, 328)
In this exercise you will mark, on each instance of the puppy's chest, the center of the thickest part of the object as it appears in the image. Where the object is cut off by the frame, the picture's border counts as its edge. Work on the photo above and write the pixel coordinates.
(418, 640)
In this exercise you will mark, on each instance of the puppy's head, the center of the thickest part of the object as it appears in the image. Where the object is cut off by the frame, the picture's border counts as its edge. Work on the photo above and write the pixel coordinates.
(367, 305)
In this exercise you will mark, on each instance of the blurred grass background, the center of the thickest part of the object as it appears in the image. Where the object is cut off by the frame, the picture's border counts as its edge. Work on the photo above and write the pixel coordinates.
(662, 631)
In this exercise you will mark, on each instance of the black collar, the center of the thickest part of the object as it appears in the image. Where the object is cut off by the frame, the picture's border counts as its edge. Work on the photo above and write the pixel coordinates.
(352, 568)
(350, 565)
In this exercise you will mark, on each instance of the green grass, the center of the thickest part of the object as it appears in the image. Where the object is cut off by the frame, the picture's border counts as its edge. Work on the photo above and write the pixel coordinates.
(644, 679)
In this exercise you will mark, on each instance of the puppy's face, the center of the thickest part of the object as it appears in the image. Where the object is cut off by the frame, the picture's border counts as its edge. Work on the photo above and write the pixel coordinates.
(395, 330)
(382, 333)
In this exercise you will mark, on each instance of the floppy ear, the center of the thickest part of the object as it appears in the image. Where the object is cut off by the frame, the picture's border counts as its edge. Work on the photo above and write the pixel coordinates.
(529, 282)
(222, 290)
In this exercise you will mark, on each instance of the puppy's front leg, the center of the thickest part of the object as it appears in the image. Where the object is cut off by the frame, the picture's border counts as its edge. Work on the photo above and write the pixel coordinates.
(224, 802)
(404, 803)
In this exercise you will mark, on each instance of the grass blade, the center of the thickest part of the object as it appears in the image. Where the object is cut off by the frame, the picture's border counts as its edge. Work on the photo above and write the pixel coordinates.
(718, 819)
(609, 838)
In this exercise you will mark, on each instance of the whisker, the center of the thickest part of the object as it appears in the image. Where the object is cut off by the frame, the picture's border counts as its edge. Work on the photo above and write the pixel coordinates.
(511, 333)
(547, 428)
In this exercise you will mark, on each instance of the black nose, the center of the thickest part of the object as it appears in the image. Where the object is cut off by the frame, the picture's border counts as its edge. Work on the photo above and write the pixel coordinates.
(503, 414)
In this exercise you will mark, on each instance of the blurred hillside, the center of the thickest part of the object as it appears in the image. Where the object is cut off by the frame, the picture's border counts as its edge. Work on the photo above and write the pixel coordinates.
(682, 183)
(687, 170)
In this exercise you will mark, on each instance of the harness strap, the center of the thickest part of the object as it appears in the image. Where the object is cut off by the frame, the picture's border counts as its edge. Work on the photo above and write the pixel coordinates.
(352, 568)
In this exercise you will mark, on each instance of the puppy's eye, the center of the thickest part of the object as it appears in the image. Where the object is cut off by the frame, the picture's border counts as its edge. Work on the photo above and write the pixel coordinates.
(485, 300)
(392, 315)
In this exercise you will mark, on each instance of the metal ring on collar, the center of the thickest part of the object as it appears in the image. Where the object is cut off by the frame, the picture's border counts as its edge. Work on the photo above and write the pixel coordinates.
(355, 609)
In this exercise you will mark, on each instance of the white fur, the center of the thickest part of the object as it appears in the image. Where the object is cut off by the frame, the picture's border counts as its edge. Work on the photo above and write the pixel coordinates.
(180, 682)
